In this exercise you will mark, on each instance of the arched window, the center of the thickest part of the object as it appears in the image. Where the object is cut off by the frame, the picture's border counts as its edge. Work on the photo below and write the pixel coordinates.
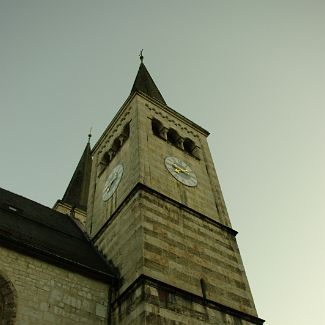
(111, 152)
(126, 131)
(104, 162)
(8, 301)
(157, 126)
(124, 135)
(106, 159)
(191, 148)
(172, 136)
(189, 145)
(116, 145)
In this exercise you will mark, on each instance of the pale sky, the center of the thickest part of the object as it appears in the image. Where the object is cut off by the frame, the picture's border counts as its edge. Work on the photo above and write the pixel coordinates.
(251, 72)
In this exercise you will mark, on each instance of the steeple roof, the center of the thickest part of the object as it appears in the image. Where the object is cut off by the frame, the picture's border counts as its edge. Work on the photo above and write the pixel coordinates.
(77, 191)
(145, 84)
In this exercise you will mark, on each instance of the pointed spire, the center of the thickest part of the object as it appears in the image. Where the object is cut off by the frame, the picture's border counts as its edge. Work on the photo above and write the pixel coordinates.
(77, 191)
(144, 83)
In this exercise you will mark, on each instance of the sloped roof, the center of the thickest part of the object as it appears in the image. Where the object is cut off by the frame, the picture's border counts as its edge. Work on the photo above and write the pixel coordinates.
(76, 193)
(145, 84)
(44, 233)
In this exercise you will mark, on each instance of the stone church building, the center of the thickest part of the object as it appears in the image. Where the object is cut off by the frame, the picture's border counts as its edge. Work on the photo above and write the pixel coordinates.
(141, 235)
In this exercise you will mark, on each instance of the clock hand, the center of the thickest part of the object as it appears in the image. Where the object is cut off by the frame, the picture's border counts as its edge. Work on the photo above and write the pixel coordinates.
(110, 185)
(106, 188)
(113, 182)
(176, 168)
(179, 169)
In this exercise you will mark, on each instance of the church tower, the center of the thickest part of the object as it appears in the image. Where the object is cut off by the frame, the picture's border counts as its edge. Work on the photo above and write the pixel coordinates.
(156, 211)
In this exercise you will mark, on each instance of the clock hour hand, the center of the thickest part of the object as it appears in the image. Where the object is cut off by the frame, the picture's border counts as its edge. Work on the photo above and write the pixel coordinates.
(179, 169)
(110, 184)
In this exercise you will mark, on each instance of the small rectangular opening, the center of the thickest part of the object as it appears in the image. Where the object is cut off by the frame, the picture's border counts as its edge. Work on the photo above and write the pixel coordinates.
(11, 208)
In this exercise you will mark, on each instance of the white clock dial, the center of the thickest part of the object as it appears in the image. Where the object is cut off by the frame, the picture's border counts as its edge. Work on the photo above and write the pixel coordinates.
(112, 182)
(181, 171)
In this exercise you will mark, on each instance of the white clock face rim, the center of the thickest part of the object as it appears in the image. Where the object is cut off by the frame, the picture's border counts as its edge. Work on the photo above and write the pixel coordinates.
(181, 171)
(112, 182)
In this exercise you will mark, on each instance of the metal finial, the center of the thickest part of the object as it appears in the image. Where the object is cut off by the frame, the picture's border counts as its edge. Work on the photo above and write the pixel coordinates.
(89, 135)
(141, 56)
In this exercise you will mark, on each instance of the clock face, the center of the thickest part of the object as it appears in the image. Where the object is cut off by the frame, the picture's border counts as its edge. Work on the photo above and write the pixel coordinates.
(181, 171)
(112, 182)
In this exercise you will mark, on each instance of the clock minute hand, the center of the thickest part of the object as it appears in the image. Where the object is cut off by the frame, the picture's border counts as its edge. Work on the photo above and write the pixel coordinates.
(110, 185)
(179, 169)
(106, 188)
(176, 168)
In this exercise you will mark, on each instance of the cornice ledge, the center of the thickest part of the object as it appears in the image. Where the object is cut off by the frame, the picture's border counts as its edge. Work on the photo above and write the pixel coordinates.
(138, 187)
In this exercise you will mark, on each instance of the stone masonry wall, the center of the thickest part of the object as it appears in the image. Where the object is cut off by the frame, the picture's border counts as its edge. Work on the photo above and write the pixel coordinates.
(130, 310)
(151, 304)
(163, 307)
(180, 249)
(100, 211)
(47, 294)
(122, 242)
(206, 197)
(154, 237)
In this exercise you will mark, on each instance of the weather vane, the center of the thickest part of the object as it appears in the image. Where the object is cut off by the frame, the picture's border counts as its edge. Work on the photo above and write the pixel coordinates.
(141, 56)
(89, 135)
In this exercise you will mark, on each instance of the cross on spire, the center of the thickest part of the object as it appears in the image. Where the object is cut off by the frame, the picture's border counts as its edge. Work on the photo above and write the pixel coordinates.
(143, 83)
(141, 56)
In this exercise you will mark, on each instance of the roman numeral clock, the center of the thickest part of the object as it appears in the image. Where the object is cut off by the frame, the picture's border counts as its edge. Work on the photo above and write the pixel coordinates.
(181, 171)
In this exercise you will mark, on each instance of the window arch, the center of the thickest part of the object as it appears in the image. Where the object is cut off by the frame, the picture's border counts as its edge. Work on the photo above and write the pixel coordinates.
(106, 158)
(103, 162)
(8, 301)
(191, 148)
(126, 131)
(172, 136)
(156, 127)
(189, 145)
(116, 145)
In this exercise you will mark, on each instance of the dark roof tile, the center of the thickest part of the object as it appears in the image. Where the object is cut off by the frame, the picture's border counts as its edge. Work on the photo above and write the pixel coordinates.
(42, 231)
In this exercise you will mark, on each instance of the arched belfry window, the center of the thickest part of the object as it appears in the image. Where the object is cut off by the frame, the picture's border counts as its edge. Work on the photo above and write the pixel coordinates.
(104, 162)
(158, 129)
(8, 301)
(191, 148)
(106, 159)
(172, 136)
(117, 144)
(189, 145)
(126, 131)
